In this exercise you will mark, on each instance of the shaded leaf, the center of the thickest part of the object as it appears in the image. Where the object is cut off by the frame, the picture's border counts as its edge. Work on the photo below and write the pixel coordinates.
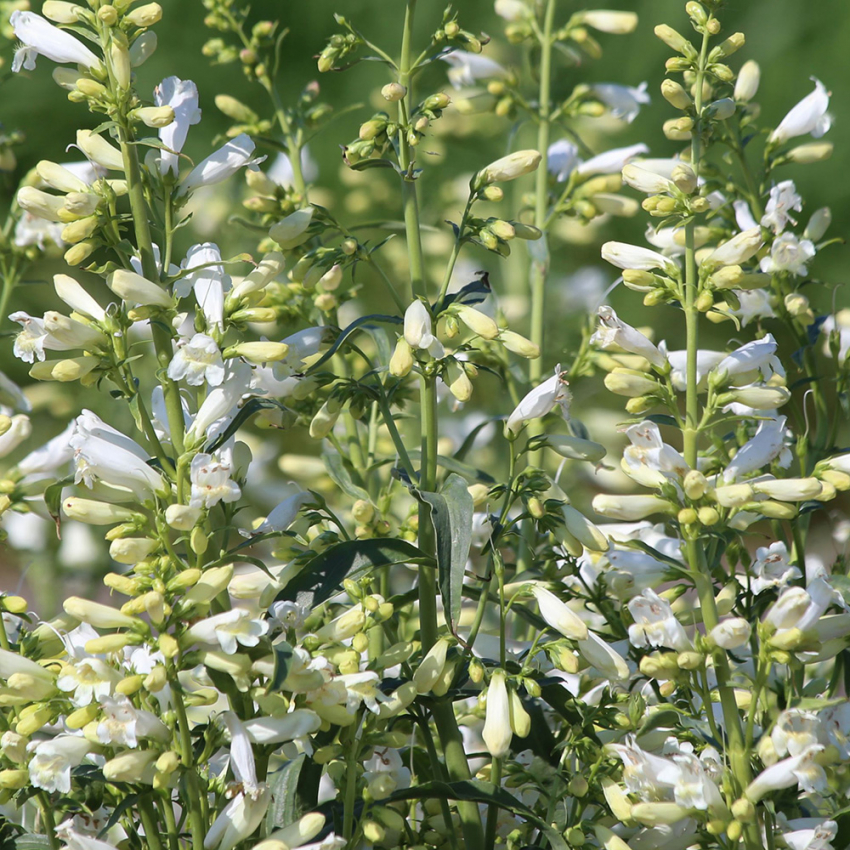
(362, 322)
(283, 654)
(285, 809)
(252, 406)
(337, 470)
(452, 464)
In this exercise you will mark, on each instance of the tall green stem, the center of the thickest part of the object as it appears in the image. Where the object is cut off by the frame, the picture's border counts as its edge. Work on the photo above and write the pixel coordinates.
(428, 483)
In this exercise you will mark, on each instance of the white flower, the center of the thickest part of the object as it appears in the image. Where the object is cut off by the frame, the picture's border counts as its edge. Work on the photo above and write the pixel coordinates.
(246, 810)
(756, 356)
(198, 360)
(182, 97)
(611, 161)
(762, 449)
(562, 158)
(771, 568)
(124, 724)
(34, 230)
(211, 482)
(74, 840)
(50, 457)
(417, 330)
(747, 84)
(800, 770)
(604, 658)
(281, 516)
(808, 116)
(103, 453)
(755, 304)
(811, 836)
(646, 180)
(731, 633)
(655, 624)
(511, 10)
(542, 400)
(788, 253)
(385, 772)
(281, 172)
(88, 680)
(558, 615)
(649, 460)
(744, 215)
(783, 199)
(625, 256)
(210, 283)
(467, 68)
(795, 731)
(19, 430)
(41, 38)
(277, 730)
(73, 294)
(224, 163)
(623, 101)
(220, 404)
(738, 249)
(228, 629)
(302, 344)
(31, 342)
(50, 767)
(693, 788)
(497, 731)
(612, 331)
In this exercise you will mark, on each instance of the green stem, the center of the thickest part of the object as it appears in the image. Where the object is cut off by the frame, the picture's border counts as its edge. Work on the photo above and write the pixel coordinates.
(49, 821)
(196, 815)
(428, 483)
(170, 823)
(350, 783)
(150, 823)
(493, 809)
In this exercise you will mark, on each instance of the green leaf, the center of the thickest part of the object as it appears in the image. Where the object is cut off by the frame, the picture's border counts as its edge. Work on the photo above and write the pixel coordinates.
(32, 842)
(283, 654)
(252, 406)
(451, 516)
(363, 321)
(365, 164)
(475, 791)
(336, 468)
(451, 464)
(284, 809)
(53, 498)
(321, 578)
(468, 442)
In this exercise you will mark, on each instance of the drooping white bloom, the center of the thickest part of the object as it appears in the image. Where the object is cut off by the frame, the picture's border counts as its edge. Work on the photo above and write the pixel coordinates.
(611, 161)
(511, 10)
(302, 344)
(182, 97)
(783, 199)
(655, 624)
(49, 457)
(624, 102)
(210, 283)
(756, 356)
(744, 215)
(562, 158)
(103, 453)
(645, 180)
(755, 304)
(74, 840)
(497, 731)
(124, 724)
(795, 731)
(246, 810)
(649, 460)
(625, 256)
(612, 331)
(801, 770)
(34, 339)
(693, 787)
(211, 482)
(88, 680)
(198, 360)
(50, 766)
(762, 449)
(224, 163)
(808, 116)
(603, 657)
(277, 730)
(747, 84)
(810, 834)
(228, 629)
(542, 400)
(33, 230)
(221, 402)
(73, 294)
(788, 253)
(417, 330)
(558, 615)
(468, 68)
(41, 38)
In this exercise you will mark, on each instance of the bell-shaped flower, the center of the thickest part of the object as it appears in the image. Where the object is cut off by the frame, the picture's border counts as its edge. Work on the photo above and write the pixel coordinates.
(468, 68)
(543, 399)
(134, 288)
(50, 766)
(74, 840)
(210, 282)
(228, 630)
(88, 680)
(277, 730)
(603, 657)
(221, 402)
(211, 482)
(247, 808)
(221, 165)
(73, 294)
(738, 249)
(762, 449)
(624, 102)
(644, 774)
(196, 361)
(731, 633)
(418, 330)
(758, 356)
(182, 97)
(802, 770)
(777, 212)
(41, 38)
(497, 732)
(611, 161)
(788, 253)
(625, 256)
(795, 731)
(655, 624)
(104, 454)
(124, 725)
(34, 339)
(613, 332)
(808, 116)
(771, 568)
(810, 834)
(303, 345)
(558, 615)
(693, 787)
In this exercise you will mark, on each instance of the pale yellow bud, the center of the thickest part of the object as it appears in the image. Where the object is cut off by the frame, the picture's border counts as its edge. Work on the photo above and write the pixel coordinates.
(675, 94)
(519, 345)
(61, 13)
(393, 92)
(145, 16)
(459, 384)
(402, 360)
(120, 63)
(811, 152)
(155, 116)
(258, 352)
(509, 167)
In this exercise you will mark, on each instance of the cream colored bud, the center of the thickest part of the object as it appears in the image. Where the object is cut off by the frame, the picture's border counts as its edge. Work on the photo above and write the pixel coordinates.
(182, 517)
(211, 583)
(145, 16)
(332, 278)
(629, 383)
(509, 167)
(155, 116)
(393, 92)
(657, 814)
(96, 513)
(614, 23)
(14, 779)
(747, 84)
(584, 530)
(61, 13)
(431, 667)
(630, 508)
(258, 352)
(79, 230)
(108, 14)
(134, 766)
(157, 679)
(811, 152)
(131, 550)
(519, 344)
(402, 360)
(818, 224)
(695, 484)
(708, 516)
(137, 289)
(59, 177)
(121, 67)
(675, 94)
(292, 231)
(98, 615)
(96, 148)
(789, 489)
(109, 643)
(459, 384)
(759, 398)
(80, 252)
(674, 40)
(478, 322)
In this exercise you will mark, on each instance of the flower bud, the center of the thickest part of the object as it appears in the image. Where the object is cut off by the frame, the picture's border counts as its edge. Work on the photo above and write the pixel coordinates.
(657, 814)
(108, 14)
(431, 667)
(721, 109)
(182, 517)
(131, 550)
(731, 634)
(459, 384)
(155, 116)
(145, 16)
(96, 513)
(393, 92)
(811, 152)
(519, 344)
(14, 779)
(630, 383)
(292, 231)
(675, 95)
(630, 508)
(109, 643)
(120, 63)
(61, 13)
(509, 167)
(759, 398)
(212, 582)
(708, 516)
(747, 83)
(615, 23)
(674, 40)
(134, 766)
(478, 322)
(98, 615)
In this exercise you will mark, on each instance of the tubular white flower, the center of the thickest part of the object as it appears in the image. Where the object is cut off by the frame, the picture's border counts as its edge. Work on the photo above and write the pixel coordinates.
(136, 289)
(73, 294)
(20, 428)
(182, 97)
(211, 482)
(224, 163)
(615, 23)
(88, 680)
(277, 730)
(99, 151)
(783, 199)
(135, 766)
(800, 770)
(747, 84)
(612, 331)
(756, 356)
(789, 489)
(50, 767)
(431, 667)
(611, 161)
(562, 158)
(731, 633)
(221, 401)
(624, 102)
(497, 732)
(738, 249)
(762, 449)
(268, 269)
(646, 181)
(558, 615)
(210, 283)
(540, 401)
(606, 660)
(41, 38)
(788, 254)
(124, 724)
(630, 508)
(655, 623)
(509, 167)
(98, 615)
(196, 361)
(808, 116)
(625, 256)
(649, 460)
(283, 515)
(229, 629)
(74, 840)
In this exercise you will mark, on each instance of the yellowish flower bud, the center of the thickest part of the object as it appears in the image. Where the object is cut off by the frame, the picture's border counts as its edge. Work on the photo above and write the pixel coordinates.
(145, 16)
(509, 167)
(811, 152)
(61, 13)
(519, 345)
(120, 63)
(675, 94)
(155, 116)
(130, 685)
